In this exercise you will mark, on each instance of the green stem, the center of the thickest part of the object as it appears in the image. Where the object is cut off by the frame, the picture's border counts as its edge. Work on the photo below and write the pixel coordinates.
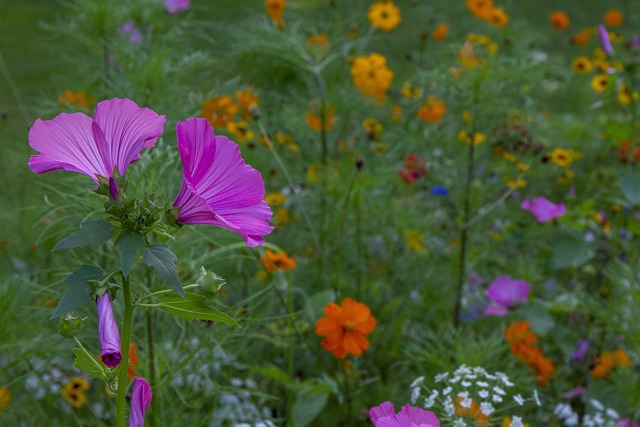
(152, 368)
(290, 389)
(124, 363)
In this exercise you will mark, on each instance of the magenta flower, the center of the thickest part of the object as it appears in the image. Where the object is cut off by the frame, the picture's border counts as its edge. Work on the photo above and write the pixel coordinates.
(580, 350)
(218, 187)
(626, 422)
(384, 415)
(174, 6)
(505, 292)
(574, 393)
(543, 209)
(605, 41)
(108, 334)
(112, 140)
(130, 31)
(140, 400)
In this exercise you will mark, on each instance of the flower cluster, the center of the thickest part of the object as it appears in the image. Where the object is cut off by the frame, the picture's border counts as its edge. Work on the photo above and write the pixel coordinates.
(73, 392)
(487, 11)
(274, 261)
(524, 346)
(414, 168)
(371, 75)
(608, 361)
(469, 396)
(597, 416)
(432, 111)
(234, 116)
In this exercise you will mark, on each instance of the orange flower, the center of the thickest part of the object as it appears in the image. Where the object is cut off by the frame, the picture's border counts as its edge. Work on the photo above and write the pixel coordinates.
(613, 18)
(607, 361)
(133, 361)
(523, 346)
(441, 31)
(465, 409)
(346, 328)
(384, 15)
(5, 397)
(219, 110)
(248, 102)
(314, 116)
(371, 75)
(480, 8)
(318, 40)
(275, 9)
(582, 38)
(498, 17)
(432, 111)
(76, 99)
(559, 20)
(273, 261)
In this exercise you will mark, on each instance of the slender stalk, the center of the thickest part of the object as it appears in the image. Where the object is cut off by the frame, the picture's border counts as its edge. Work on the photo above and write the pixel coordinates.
(463, 235)
(124, 363)
(152, 415)
(343, 217)
(290, 389)
(348, 396)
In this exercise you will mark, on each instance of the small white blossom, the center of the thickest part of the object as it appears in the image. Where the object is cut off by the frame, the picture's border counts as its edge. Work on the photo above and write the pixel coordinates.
(496, 398)
(415, 393)
(466, 402)
(482, 384)
(449, 408)
(519, 399)
(516, 422)
(483, 394)
(536, 398)
(612, 414)
(486, 408)
(441, 376)
(446, 391)
(459, 423)
(463, 394)
(596, 404)
(418, 381)
(498, 390)
(466, 383)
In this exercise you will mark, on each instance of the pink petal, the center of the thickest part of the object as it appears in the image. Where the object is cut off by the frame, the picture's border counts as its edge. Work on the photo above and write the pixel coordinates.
(382, 410)
(419, 416)
(127, 129)
(140, 400)
(218, 187)
(66, 142)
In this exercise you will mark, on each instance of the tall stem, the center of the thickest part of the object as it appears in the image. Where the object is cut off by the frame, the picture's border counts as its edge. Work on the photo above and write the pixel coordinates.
(124, 363)
(152, 367)
(463, 234)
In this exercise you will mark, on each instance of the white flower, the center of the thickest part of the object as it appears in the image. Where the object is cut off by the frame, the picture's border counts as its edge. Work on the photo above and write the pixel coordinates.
(441, 376)
(519, 400)
(482, 384)
(516, 422)
(459, 423)
(504, 378)
(446, 391)
(498, 390)
(612, 414)
(596, 404)
(486, 408)
(496, 398)
(418, 381)
(466, 402)
(463, 394)
(483, 394)
(415, 393)
(573, 420)
(428, 403)
(449, 408)
(536, 397)
(466, 383)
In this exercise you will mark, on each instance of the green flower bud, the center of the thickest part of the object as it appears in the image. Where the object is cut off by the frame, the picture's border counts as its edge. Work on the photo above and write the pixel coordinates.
(209, 283)
(71, 325)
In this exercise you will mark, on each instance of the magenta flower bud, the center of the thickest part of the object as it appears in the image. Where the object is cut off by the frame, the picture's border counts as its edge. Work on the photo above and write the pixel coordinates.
(140, 400)
(108, 334)
(635, 43)
(605, 42)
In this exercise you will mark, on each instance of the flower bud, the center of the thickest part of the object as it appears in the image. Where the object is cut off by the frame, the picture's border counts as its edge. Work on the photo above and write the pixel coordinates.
(140, 400)
(108, 334)
(71, 325)
(209, 283)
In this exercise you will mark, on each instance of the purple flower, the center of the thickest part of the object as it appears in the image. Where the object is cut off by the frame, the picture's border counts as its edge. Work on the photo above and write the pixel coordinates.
(605, 42)
(626, 422)
(384, 415)
(108, 334)
(140, 400)
(508, 292)
(174, 6)
(112, 140)
(218, 187)
(543, 209)
(580, 350)
(495, 309)
(635, 43)
(129, 30)
(574, 393)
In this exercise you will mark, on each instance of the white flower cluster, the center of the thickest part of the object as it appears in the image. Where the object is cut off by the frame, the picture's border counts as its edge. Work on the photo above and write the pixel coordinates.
(599, 415)
(468, 390)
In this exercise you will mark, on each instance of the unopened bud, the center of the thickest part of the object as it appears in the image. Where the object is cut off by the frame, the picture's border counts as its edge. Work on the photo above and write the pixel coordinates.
(359, 163)
(209, 283)
(71, 325)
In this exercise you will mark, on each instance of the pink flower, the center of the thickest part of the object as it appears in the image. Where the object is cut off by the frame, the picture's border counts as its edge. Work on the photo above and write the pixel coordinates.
(218, 187)
(174, 6)
(108, 335)
(507, 291)
(140, 400)
(112, 140)
(605, 41)
(543, 209)
(384, 415)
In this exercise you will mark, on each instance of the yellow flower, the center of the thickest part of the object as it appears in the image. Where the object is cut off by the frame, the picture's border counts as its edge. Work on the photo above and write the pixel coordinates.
(480, 8)
(625, 96)
(477, 138)
(5, 398)
(520, 183)
(432, 110)
(371, 75)
(248, 101)
(415, 241)
(313, 173)
(441, 31)
(240, 130)
(506, 422)
(599, 83)
(373, 128)
(275, 9)
(74, 395)
(582, 64)
(498, 17)
(410, 92)
(219, 110)
(563, 157)
(396, 114)
(275, 199)
(565, 177)
(78, 384)
(283, 217)
(384, 15)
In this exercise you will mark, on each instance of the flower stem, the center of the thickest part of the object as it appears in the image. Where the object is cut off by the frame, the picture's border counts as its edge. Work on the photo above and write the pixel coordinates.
(124, 363)
(152, 367)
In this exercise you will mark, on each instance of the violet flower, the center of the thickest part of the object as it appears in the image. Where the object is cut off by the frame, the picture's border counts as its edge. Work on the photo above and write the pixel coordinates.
(580, 350)
(543, 209)
(174, 6)
(574, 393)
(635, 43)
(627, 422)
(218, 187)
(108, 334)
(140, 400)
(605, 42)
(130, 31)
(384, 415)
(112, 140)
(505, 292)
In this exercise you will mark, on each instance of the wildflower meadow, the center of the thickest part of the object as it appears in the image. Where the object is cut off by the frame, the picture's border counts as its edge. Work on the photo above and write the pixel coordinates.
(260, 213)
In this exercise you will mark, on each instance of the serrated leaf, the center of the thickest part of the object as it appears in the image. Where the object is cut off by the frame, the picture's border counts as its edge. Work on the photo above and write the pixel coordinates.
(194, 306)
(87, 363)
(568, 249)
(78, 293)
(128, 243)
(91, 232)
(163, 260)
(630, 185)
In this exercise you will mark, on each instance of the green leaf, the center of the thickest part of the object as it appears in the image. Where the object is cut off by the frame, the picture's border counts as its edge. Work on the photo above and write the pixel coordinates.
(87, 363)
(540, 319)
(91, 232)
(129, 243)
(630, 185)
(78, 293)
(310, 401)
(163, 260)
(194, 306)
(568, 249)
